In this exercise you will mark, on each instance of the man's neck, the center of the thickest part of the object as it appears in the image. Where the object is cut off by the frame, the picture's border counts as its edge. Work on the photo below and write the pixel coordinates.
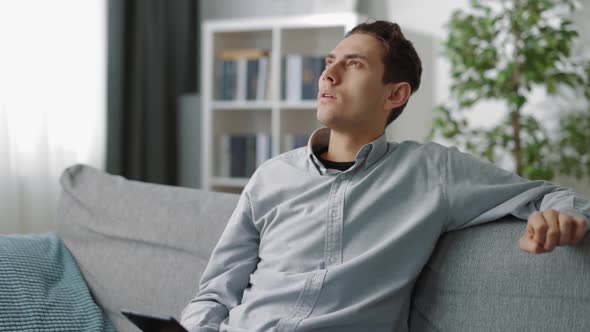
(343, 147)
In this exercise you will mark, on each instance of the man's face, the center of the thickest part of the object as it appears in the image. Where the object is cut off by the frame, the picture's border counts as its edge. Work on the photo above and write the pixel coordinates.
(351, 91)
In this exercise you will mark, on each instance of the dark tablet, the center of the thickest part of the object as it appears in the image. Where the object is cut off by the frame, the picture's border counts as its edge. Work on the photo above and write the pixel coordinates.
(148, 323)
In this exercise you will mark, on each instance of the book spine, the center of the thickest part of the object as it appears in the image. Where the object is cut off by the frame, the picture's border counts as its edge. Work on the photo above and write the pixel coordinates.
(261, 148)
(238, 156)
(252, 78)
(225, 79)
(250, 155)
(284, 78)
(218, 80)
(242, 79)
(224, 154)
(294, 77)
(262, 79)
(308, 78)
(229, 78)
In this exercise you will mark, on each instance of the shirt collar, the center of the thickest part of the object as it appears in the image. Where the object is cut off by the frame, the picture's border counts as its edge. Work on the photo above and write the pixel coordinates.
(369, 153)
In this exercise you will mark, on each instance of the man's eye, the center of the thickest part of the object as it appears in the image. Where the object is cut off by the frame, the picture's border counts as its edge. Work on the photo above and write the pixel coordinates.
(354, 63)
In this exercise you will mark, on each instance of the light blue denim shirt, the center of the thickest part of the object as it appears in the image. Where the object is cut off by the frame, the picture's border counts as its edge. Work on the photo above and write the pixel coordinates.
(311, 249)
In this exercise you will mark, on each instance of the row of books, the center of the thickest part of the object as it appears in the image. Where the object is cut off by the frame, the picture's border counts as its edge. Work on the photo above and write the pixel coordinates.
(241, 154)
(301, 74)
(244, 74)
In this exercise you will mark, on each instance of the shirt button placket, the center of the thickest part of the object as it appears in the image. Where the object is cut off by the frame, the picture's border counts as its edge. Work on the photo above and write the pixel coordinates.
(334, 223)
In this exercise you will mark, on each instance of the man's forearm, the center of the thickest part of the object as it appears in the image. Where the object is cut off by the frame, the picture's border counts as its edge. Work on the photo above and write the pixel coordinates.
(227, 273)
(203, 316)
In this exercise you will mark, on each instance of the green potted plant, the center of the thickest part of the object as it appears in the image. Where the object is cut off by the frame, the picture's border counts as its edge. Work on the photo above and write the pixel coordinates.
(502, 50)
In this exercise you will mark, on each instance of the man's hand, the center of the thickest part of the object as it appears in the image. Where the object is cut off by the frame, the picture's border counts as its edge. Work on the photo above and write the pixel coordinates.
(550, 228)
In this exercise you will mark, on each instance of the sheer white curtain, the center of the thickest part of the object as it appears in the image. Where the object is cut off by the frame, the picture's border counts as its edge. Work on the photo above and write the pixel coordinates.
(52, 103)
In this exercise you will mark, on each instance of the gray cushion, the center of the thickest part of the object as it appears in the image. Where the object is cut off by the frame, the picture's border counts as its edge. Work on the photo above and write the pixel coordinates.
(479, 280)
(139, 246)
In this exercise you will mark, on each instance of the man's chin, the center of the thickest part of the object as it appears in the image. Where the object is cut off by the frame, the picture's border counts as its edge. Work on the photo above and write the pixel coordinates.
(331, 123)
(327, 121)
(328, 112)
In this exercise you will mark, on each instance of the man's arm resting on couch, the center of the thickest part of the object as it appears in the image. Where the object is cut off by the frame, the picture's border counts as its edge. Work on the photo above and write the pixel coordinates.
(478, 191)
(227, 274)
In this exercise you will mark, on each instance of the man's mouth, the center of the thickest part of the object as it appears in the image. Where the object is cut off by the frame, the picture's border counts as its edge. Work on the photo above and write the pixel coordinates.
(326, 95)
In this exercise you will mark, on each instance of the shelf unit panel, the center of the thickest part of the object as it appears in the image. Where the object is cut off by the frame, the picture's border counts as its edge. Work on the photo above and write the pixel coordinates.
(311, 41)
(242, 39)
(242, 121)
(241, 105)
(304, 104)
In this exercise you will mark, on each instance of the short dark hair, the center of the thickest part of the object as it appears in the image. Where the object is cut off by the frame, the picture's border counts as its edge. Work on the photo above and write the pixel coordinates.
(402, 63)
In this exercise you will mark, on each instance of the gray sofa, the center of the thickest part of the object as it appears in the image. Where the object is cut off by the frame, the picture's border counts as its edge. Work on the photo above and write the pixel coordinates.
(143, 247)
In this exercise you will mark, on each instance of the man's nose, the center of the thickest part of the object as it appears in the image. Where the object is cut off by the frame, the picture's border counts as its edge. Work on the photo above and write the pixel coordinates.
(331, 75)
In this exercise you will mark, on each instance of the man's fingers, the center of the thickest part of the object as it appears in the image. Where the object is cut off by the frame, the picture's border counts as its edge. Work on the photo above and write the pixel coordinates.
(537, 227)
(552, 237)
(550, 228)
(580, 229)
(527, 244)
(567, 228)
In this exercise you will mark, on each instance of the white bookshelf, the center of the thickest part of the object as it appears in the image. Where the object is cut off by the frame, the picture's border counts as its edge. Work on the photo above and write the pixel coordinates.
(307, 34)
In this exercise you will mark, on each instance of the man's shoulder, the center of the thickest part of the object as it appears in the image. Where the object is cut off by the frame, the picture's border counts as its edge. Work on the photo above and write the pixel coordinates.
(427, 148)
(289, 157)
(274, 168)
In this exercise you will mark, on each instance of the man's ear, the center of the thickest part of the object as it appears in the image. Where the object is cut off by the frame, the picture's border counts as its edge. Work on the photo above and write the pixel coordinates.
(397, 94)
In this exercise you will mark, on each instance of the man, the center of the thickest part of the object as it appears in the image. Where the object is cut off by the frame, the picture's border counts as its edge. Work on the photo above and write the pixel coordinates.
(331, 237)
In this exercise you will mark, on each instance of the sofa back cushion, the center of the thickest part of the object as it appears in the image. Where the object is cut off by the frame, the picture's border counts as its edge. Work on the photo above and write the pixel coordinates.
(41, 288)
(479, 280)
(140, 246)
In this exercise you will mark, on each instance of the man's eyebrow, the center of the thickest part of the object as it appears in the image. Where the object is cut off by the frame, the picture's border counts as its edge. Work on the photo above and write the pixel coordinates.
(348, 56)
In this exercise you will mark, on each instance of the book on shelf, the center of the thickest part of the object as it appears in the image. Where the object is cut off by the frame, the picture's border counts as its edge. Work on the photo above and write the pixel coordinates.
(293, 77)
(225, 79)
(242, 74)
(243, 53)
(263, 79)
(241, 154)
(301, 74)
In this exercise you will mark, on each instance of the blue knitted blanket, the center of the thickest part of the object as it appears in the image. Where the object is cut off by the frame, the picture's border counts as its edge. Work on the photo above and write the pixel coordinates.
(41, 288)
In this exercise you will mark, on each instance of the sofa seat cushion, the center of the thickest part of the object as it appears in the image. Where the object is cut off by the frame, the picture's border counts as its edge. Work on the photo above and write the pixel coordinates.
(41, 288)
